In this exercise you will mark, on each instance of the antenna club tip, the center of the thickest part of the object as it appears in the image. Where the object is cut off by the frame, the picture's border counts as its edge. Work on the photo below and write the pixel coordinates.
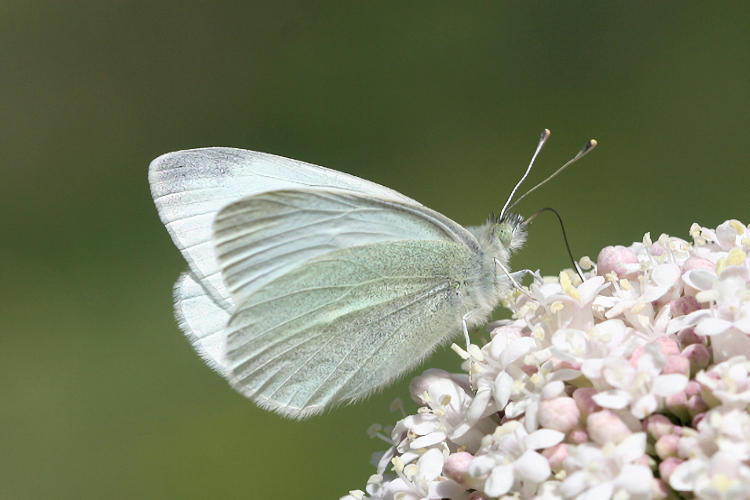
(593, 143)
(546, 132)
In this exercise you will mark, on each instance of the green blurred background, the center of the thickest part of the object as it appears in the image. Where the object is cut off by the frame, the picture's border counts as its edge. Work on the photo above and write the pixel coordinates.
(101, 395)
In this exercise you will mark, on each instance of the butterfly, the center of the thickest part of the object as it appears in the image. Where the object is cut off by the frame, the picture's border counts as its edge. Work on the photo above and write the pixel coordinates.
(307, 287)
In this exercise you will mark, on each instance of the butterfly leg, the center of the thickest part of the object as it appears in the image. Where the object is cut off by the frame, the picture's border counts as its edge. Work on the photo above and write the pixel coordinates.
(510, 276)
(468, 342)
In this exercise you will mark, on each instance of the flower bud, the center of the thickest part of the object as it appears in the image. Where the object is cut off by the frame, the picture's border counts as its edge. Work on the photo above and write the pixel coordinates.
(606, 427)
(698, 356)
(457, 465)
(667, 466)
(689, 337)
(584, 399)
(677, 364)
(556, 455)
(666, 446)
(578, 436)
(683, 306)
(658, 425)
(616, 258)
(560, 414)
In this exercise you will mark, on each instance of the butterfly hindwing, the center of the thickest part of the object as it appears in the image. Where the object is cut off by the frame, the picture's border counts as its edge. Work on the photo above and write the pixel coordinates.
(346, 323)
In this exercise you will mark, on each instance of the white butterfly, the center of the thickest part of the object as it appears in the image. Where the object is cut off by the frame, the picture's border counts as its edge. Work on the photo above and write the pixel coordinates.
(308, 287)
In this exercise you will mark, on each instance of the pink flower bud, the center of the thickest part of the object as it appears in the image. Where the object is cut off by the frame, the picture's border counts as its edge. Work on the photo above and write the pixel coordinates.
(676, 402)
(696, 404)
(667, 466)
(578, 436)
(677, 364)
(698, 356)
(614, 258)
(668, 345)
(692, 388)
(457, 465)
(658, 425)
(556, 455)
(683, 306)
(584, 398)
(666, 446)
(606, 427)
(689, 337)
(560, 414)
(688, 402)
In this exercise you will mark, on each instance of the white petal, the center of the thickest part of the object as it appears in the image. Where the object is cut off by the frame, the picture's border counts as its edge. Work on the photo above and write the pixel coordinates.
(500, 480)
(447, 488)
(591, 287)
(479, 404)
(652, 293)
(666, 274)
(632, 447)
(688, 320)
(498, 345)
(598, 492)
(592, 368)
(532, 466)
(481, 465)
(666, 385)
(700, 279)
(503, 388)
(553, 389)
(516, 349)
(743, 324)
(573, 484)
(543, 438)
(430, 464)
(644, 406)
(684, 476)
(615, 399)
(712, 326)
(636, 479)
(460, 430)
(427, 440)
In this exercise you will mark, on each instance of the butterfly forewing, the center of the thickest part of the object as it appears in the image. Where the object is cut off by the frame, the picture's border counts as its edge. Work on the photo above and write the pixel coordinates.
(190, 187)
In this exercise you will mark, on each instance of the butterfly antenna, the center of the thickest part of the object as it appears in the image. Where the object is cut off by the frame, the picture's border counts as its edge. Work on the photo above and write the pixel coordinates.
(583, 152)
(542, 140)
(565, 236)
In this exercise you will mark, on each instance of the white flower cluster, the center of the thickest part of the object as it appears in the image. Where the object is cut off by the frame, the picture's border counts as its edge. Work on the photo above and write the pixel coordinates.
(634, 383)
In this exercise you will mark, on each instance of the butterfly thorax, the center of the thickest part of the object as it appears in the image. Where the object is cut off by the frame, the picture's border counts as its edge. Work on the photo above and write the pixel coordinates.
(498, 239)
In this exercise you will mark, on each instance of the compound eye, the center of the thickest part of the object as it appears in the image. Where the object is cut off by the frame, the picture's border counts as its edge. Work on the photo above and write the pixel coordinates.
(504, 233)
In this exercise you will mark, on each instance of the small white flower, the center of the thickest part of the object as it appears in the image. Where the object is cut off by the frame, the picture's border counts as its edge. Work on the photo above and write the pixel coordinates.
(729, 381)
(599, 473)
(640, 387)
(723, 476)
(508, 457)
(450, 413)
(723, 429)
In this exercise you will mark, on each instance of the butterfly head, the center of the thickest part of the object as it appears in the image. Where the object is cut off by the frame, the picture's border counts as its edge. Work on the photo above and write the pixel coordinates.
(510, 230)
